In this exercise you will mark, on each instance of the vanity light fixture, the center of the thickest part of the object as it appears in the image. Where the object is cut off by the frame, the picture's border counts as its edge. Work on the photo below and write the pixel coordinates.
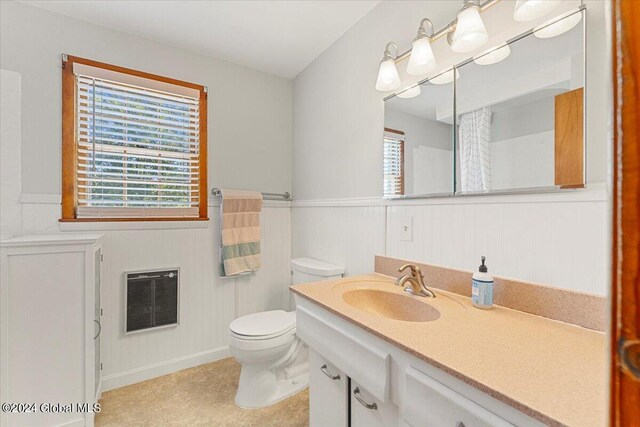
(526, 10)
(445, 78)
(422, 60)
(410, 93)
(470, 32)
(493, 55)
(388, 78)
(559, 25)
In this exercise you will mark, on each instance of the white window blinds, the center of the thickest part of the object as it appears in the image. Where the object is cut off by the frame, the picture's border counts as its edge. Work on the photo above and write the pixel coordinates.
(393, 165)
(137, 150)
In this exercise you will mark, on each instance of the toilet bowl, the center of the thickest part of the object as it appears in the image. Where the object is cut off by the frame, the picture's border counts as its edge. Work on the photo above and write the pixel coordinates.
(274, 361)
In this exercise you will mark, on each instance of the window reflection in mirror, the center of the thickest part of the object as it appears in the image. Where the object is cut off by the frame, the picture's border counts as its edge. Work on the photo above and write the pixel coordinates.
(418, 140)
(520, 121)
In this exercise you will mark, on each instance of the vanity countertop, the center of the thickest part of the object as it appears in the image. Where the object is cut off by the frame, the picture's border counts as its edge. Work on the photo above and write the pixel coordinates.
(552, 371)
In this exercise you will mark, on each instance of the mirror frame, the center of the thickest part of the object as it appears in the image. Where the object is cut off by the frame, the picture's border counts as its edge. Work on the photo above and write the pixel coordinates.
(529, 190)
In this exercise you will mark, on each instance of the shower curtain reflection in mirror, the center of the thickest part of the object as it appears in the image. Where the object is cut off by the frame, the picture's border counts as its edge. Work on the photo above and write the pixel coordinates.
(474, 135)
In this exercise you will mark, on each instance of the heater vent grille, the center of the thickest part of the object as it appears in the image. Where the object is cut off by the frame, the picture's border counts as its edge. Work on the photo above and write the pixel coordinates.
(152, 300)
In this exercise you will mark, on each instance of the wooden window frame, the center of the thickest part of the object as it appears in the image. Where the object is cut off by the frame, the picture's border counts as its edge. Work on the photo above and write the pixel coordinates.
(399, 132)
(69, 142)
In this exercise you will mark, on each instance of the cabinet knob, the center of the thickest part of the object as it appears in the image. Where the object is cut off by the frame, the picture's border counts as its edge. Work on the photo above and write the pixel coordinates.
(356, 394)
(460, 424)
(325, 371)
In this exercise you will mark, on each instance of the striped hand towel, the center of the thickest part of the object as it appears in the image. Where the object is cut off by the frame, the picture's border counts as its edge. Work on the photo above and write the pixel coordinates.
(240, 225)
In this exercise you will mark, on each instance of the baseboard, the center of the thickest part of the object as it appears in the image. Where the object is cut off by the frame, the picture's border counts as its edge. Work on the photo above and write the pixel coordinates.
(121, 379)
(80, 422)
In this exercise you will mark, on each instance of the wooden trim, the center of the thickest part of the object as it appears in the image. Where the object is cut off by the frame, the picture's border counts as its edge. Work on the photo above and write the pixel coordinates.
(69, 143)
(399, 132)
(118, 69)
(135, 219)
(69, 196)
(625, 289)
(204, 193)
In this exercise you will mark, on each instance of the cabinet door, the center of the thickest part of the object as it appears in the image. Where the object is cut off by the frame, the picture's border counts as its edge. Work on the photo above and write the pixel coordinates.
(328, 393)
(97, 320)
(366, 411)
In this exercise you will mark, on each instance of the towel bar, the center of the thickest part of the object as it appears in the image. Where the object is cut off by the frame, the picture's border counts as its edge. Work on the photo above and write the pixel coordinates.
(286, 195)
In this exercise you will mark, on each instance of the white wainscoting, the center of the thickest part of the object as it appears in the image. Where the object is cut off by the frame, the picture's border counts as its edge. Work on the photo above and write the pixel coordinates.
(208, 303)
(340, 234)
(556, 239)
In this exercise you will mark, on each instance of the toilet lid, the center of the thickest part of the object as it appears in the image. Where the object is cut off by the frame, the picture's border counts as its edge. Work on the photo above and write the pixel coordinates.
(276, 322)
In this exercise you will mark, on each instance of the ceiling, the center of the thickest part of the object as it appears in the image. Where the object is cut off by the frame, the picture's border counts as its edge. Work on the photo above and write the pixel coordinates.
(277, 37)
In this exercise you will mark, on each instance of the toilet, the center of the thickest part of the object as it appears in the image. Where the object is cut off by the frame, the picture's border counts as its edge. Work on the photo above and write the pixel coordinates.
(274, 360)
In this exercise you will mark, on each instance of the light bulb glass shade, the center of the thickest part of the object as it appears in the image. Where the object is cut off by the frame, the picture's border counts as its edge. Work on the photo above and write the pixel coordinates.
(388, 78)
(421, 60)
(493, 56)
(470, 32)
(526, 10)
(444, 78)
(560, 26)
(410, 93)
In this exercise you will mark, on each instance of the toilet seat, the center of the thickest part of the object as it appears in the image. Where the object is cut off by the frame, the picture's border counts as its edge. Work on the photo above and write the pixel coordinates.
(263, 326)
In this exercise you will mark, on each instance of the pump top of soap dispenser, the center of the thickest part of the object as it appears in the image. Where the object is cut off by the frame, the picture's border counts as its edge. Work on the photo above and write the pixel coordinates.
(483, 268)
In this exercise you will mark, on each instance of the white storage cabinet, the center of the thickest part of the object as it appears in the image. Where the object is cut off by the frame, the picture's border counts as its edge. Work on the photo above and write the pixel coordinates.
(50, 328)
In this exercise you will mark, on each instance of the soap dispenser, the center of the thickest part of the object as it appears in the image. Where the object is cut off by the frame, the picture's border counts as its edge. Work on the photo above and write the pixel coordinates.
(482, 287)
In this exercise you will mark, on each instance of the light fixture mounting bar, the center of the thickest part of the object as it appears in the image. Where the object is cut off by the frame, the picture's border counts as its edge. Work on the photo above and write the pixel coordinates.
(445, 30)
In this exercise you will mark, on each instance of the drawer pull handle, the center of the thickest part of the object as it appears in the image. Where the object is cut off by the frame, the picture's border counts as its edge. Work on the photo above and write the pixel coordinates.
(460, 424)
(326, 372)
(99, 329)
(356, 394)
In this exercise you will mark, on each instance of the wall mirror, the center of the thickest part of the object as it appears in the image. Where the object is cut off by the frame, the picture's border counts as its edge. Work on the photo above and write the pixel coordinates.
(418, 140)
(520, 121)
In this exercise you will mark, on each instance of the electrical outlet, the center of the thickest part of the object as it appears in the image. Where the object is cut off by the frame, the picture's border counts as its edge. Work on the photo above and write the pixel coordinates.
(405, 225)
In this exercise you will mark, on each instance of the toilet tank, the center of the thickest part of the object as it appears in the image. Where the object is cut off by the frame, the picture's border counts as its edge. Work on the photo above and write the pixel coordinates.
(312, 270)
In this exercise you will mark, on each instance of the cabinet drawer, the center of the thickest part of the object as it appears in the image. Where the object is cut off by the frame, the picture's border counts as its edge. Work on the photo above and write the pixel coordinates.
(328, 393)
(429, 403)
(361, 361)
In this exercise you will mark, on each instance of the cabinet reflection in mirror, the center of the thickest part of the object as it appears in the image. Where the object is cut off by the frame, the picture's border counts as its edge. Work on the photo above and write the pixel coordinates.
(418, 141)
(520, 121)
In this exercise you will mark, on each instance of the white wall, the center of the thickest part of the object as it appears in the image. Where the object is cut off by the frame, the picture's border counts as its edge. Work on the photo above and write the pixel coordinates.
(337, 127)
(249, 111)
(10, 208)
(249, 147)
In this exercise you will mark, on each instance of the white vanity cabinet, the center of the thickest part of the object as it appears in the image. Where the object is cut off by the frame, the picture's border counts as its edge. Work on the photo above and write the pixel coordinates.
(367, 411)
(429, 403)
(384, 385)
(50, 328)
(328, 393)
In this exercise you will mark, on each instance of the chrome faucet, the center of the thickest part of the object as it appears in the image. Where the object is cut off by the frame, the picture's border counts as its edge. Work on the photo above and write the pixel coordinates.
(415, 282)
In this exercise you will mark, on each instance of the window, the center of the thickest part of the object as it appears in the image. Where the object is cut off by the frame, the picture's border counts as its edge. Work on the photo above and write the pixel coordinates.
(393, 162)
(134, 145)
